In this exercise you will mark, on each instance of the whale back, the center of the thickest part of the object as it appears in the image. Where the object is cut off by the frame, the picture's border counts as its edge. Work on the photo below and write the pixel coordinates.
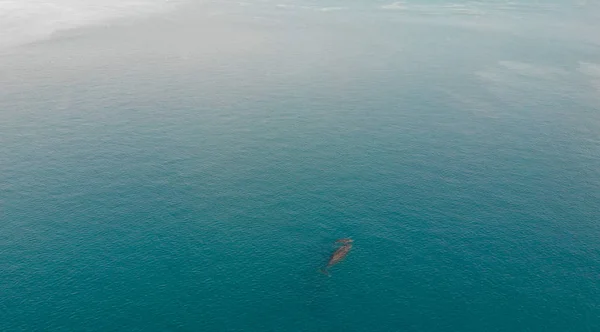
(339, 254)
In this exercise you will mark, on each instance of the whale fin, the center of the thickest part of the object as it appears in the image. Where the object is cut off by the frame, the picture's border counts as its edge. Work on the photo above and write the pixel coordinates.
(325, 272)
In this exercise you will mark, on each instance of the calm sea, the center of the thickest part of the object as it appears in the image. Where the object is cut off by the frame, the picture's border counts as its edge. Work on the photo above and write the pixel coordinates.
(190, 171)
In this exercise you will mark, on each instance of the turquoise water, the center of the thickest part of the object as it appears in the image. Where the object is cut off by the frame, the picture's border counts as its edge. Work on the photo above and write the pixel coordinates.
(199, 186)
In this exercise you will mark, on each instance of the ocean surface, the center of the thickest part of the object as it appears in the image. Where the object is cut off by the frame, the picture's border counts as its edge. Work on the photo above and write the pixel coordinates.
(187, 166)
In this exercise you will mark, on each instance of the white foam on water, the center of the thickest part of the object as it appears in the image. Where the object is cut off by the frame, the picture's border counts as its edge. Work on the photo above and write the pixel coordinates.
(25, 21)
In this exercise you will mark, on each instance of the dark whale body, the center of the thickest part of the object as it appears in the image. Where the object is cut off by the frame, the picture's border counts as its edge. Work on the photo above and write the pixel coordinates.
(339, 254)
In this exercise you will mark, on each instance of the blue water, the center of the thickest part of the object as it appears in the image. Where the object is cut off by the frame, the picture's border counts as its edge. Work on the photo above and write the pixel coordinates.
(199, 186)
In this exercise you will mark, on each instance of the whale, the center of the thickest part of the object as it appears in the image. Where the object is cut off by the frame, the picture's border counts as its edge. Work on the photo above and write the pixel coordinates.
(339, 254)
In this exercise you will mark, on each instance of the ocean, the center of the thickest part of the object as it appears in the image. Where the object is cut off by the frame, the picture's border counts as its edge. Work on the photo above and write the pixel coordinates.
(187, 166)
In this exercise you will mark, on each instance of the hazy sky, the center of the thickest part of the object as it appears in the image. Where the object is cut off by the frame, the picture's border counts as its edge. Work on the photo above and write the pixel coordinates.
(23, 21)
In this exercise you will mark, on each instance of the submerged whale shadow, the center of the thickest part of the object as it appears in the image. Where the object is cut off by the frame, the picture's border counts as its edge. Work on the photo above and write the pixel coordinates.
(338, 255)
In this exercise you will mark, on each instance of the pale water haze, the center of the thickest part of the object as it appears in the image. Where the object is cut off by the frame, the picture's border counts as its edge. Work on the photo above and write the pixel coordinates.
(188, 165)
